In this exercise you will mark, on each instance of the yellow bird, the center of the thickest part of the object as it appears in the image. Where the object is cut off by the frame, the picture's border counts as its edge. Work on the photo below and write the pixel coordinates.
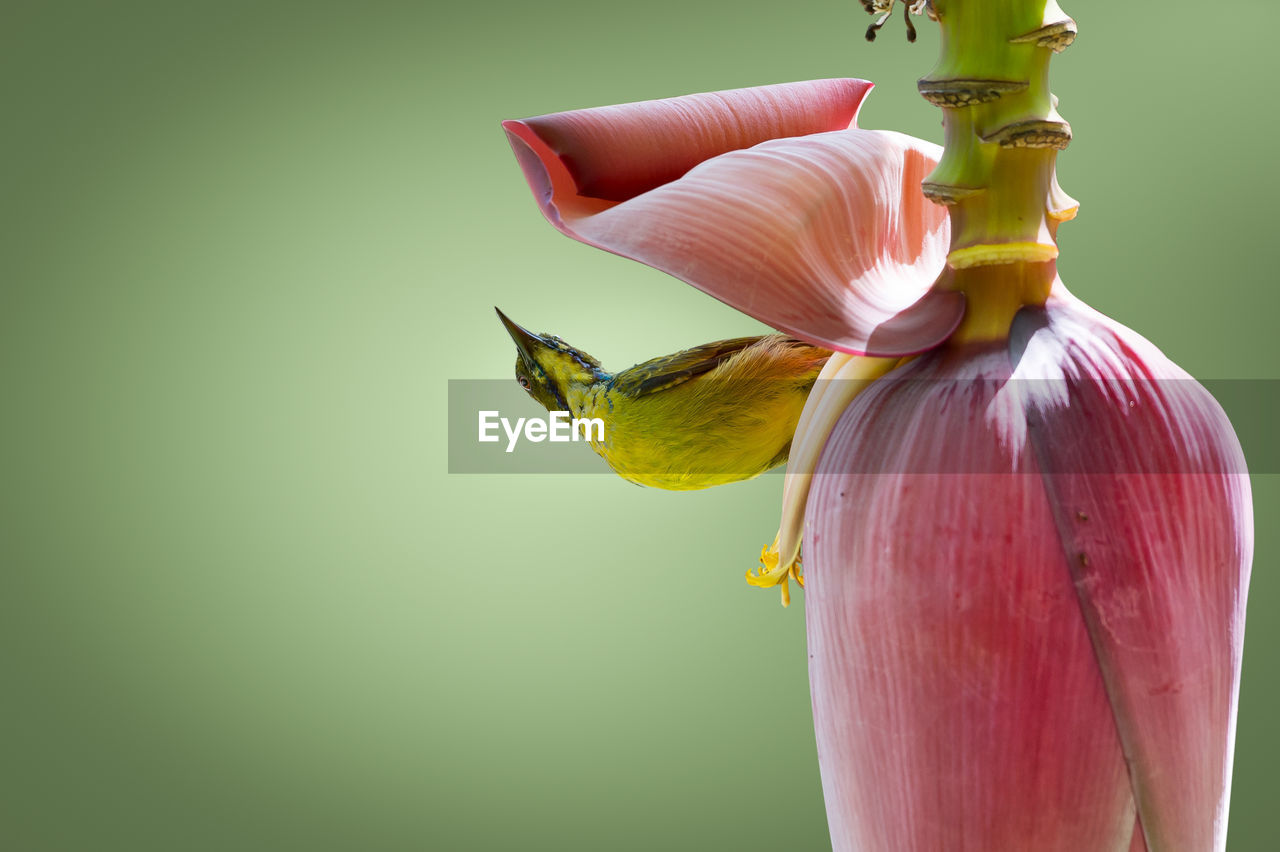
(716, 413)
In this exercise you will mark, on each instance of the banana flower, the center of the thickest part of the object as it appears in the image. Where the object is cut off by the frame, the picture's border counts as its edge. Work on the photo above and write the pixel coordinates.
(1026, 553)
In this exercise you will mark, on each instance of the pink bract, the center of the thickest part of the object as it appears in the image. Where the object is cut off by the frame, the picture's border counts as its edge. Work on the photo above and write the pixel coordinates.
(767, 199)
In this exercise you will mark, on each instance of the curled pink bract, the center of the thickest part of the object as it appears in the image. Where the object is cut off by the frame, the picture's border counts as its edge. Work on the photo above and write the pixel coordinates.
(767, 199)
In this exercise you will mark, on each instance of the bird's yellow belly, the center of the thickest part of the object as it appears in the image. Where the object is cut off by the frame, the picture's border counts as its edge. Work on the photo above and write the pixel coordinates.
(669, 441)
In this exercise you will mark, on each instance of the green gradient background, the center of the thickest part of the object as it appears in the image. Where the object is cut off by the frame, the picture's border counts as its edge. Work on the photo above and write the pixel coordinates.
(244, 245)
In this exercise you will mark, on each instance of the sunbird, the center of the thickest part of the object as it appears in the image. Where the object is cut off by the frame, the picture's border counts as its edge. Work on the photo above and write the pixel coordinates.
(717, 413)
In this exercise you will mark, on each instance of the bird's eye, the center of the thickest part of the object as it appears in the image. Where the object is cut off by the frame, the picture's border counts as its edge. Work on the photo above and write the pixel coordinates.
(524, 382)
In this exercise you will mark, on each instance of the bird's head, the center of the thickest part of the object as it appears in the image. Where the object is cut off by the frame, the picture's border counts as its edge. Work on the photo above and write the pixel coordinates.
(548, 368)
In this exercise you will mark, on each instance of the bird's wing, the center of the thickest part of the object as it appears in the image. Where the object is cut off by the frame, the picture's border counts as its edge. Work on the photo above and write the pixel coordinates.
(671, 370)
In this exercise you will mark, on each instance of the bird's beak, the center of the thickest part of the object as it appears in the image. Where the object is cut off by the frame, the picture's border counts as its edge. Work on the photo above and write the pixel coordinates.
(526, 341)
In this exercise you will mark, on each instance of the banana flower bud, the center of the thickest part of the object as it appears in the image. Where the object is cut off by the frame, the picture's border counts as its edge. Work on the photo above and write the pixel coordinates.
(1026, 558)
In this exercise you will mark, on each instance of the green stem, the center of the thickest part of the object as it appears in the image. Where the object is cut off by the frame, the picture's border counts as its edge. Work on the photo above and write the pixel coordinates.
(1002, 137)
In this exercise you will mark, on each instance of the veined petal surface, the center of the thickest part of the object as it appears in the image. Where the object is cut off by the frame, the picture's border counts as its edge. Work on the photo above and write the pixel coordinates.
(1152, 503)
(956, 698)
(824, 235)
